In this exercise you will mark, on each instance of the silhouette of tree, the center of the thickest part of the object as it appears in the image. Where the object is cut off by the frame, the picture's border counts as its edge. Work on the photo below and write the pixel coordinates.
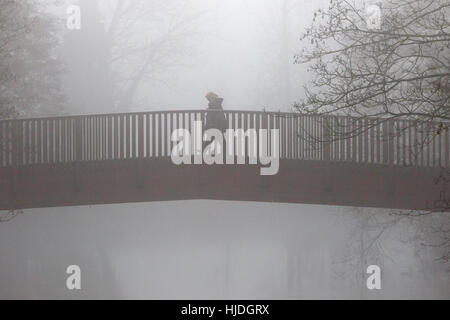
(399, 69)
(30, 68)
(147, 38)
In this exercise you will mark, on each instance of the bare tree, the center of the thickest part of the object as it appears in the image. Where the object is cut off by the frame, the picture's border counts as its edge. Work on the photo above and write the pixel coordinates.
(397, 70)
(122, 47)
(30, 68)
(369, 228)
(147, 39)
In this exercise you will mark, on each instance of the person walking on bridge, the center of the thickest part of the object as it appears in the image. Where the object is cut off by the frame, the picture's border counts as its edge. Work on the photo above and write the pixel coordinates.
(215, 117)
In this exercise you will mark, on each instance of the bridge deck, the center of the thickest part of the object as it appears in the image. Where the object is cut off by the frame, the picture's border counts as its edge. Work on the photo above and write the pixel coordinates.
(117, 158)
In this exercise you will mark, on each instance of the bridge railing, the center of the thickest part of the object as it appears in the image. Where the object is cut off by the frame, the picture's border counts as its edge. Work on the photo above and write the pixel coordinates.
(147, 135)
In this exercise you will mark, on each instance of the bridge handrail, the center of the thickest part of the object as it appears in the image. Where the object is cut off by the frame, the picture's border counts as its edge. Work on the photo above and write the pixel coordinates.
(116, 136)
(270, 112)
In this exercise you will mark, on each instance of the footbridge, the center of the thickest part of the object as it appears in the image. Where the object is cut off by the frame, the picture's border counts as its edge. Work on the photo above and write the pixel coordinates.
(121, 158)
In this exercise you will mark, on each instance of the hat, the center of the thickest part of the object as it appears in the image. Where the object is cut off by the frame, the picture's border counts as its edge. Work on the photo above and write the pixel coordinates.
(211, 96)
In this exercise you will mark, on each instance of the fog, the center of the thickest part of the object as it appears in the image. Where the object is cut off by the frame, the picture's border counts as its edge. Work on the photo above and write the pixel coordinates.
(200, 249)
(242, 50)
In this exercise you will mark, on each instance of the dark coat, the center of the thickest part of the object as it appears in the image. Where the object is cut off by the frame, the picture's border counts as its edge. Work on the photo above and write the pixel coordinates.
(216, 118)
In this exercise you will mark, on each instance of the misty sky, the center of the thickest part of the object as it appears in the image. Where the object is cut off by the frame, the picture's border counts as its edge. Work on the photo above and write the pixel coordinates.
(209, 249)
(241, 49)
